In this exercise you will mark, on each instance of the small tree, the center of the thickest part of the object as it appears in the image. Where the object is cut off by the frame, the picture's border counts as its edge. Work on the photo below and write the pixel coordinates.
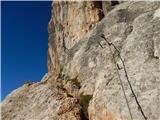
(28, 82)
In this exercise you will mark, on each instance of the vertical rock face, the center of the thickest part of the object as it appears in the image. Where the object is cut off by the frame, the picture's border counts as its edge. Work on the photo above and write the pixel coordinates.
(70, 22)
(92, 53)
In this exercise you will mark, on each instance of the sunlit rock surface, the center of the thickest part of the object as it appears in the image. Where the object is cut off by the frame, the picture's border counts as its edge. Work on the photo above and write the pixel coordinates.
(85, 72)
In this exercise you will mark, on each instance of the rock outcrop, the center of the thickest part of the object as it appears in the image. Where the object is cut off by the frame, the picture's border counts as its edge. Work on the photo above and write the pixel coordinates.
(94, 50)
(63, 35)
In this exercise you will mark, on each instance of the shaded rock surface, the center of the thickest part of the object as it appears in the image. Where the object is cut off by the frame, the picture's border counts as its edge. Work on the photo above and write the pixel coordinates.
(88, 71)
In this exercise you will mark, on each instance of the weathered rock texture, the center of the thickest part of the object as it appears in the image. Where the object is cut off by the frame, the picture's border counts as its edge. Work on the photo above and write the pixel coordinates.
(41, 101)
(70, 22)
(83, 79)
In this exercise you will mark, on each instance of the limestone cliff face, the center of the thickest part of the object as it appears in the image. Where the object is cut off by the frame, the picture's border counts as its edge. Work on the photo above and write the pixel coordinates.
(94, 50)
(70, 22)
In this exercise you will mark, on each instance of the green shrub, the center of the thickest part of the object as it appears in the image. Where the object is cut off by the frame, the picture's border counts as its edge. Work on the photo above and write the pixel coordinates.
(84, 102)
(75, 81)
(28, 82)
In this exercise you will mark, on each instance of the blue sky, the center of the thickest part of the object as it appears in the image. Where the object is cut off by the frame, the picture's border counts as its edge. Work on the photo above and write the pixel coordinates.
(24, 41)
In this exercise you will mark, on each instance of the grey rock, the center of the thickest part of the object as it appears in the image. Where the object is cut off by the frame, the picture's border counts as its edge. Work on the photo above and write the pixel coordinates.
(134, 29)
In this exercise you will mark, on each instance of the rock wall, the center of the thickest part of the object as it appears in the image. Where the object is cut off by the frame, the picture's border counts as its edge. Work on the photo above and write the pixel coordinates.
(89, 66)
(70, 22)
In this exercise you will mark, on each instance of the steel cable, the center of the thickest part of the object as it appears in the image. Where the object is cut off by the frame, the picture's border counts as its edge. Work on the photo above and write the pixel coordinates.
(139, 106)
